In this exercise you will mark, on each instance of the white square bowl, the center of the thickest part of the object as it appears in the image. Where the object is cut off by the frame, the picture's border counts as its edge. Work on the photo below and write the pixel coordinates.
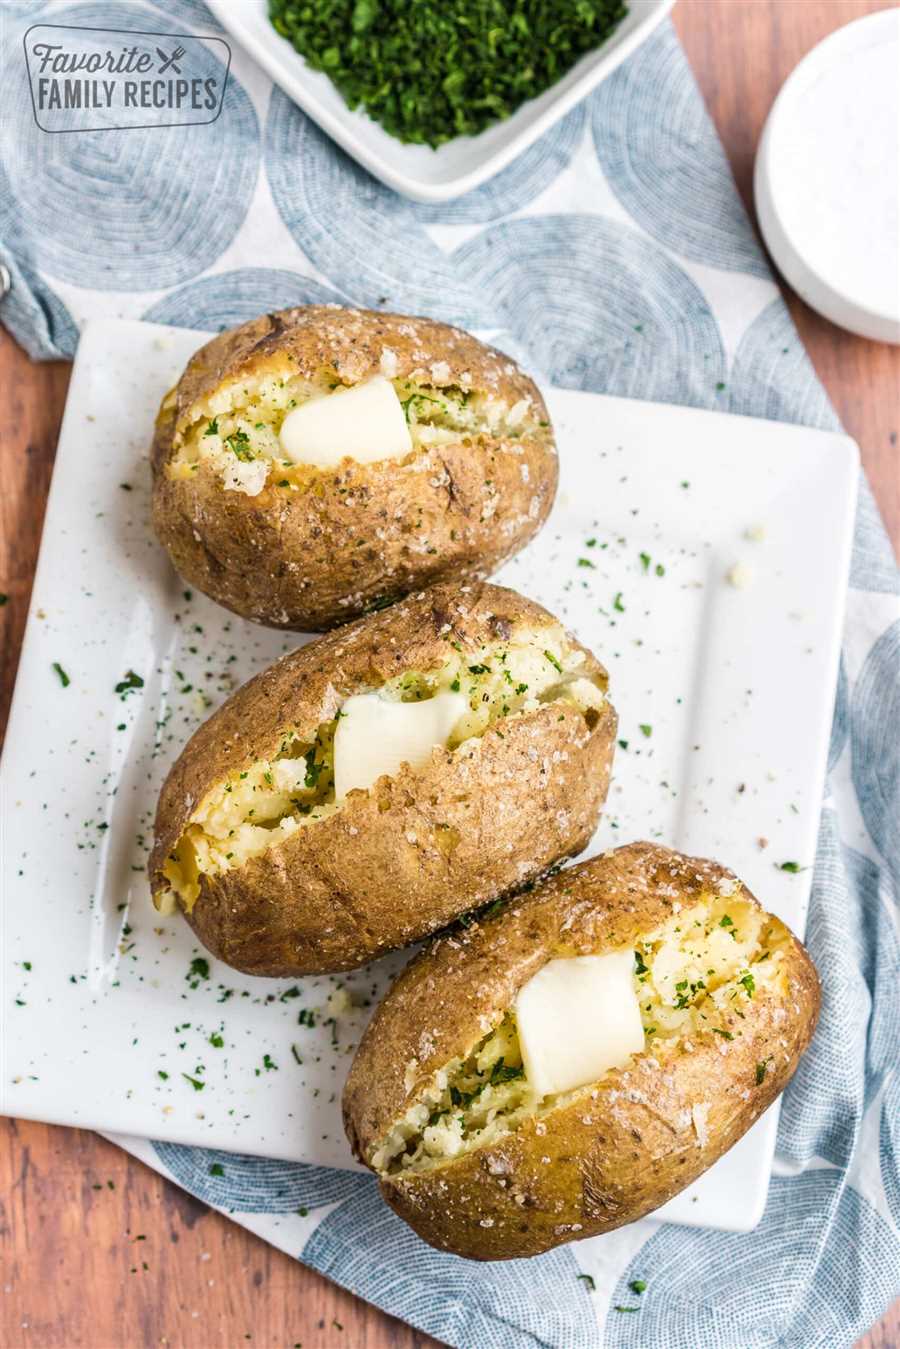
(416, 170)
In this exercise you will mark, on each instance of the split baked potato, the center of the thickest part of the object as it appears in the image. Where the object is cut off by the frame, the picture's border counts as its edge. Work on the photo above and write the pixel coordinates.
(320, 462)
(374, 784)
(568, 1063)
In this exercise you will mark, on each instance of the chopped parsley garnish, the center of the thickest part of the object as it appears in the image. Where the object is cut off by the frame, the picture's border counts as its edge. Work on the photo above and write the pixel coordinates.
(194, 1081)
(638, 1286)
(726, 921)
(586, 562)
(761, 1070)
(216, 1040)
(239, 444)
(640, 968)
(501, 1073)
(217, 1169)
(212, 428)
(645, 729)
(161, 1074)
(128, 683)
(199, 969)
(645, 561)
(623, 744)
(617, 603)
(428, 72)
(749, 983)
(455, 684)
(625, 1309)
(479, 669)
(588, 1281)
(63, 677)
(725, 1034)
(269, 1063)
(792, 867)
(553, 661)
(313, 769)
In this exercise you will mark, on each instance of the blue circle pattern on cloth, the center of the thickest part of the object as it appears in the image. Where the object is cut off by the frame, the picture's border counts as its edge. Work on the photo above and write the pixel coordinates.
(256, 1184)
(599, 307)
(663, 160)
(351, 226)
(230, 298)
(515, 186)
(875, 739)
(778, 1285)
(113, 210)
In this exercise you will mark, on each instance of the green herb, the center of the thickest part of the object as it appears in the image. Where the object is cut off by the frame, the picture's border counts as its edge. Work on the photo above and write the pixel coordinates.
(213, 428)
(792, 867)
(195, 1082)
(617, 603)
(725, 921)
(216, 1040)
(659, 569)
(162, 1075)
(306, 1017)
(761, 1069)
(217, 1169)
(749, 983)
(313, 769)
(626, 1309)
(129, 682)
(431, 71)
(553, 661)
(199, 969)
(588, 1280)
(623, 744)
(269, 1063)
(479, 669)
(637, 1286)
(645, 729)
(639, 967)
(586, 562)
(455, 684)
(645, 561)
(500, 1073)
(239, 444)
(725, 1034)
(63, 677)
(380, 602)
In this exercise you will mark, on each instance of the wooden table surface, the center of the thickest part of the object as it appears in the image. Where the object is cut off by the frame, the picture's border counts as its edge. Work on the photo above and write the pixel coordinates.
(71, 1204)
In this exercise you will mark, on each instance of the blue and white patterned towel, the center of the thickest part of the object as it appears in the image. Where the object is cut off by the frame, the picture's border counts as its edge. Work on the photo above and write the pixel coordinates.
(614, 255)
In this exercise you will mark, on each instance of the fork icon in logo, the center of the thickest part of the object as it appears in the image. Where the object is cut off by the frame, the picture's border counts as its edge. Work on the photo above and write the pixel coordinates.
(169, 62)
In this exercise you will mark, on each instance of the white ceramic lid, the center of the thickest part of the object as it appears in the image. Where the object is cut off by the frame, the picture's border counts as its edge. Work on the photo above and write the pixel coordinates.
(827, 178)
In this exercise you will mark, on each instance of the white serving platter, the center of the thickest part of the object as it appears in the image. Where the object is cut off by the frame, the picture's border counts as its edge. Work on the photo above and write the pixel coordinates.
(416, 170)
(735, 686)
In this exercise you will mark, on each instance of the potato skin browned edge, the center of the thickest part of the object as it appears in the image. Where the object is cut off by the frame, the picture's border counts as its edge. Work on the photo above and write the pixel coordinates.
(374, 875)
(600, 1163)
(308, 560)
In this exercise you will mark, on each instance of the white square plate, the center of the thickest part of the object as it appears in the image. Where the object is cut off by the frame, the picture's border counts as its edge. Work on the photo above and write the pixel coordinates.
(105, 1019)
(416, 170)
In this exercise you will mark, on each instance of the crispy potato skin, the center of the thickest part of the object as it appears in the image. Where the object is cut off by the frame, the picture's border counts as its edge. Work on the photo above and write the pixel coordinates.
(375, 875)
(293, 559)
(599, 1163)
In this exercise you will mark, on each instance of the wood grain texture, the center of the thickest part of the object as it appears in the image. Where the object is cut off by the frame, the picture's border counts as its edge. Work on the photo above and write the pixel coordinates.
(73, 1206)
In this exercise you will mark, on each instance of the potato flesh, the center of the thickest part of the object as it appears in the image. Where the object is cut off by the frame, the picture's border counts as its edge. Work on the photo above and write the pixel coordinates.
(236, 428)
(294, 787)
(692, 975)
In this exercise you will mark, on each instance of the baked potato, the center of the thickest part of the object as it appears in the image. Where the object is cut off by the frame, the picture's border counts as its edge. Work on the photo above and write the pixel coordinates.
(377, 782)
(568, 1063)
(320, 462)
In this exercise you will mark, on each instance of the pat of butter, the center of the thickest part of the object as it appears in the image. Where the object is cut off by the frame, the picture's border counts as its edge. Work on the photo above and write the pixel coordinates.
(375, 736)
(577, 1018)
(365, 423)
